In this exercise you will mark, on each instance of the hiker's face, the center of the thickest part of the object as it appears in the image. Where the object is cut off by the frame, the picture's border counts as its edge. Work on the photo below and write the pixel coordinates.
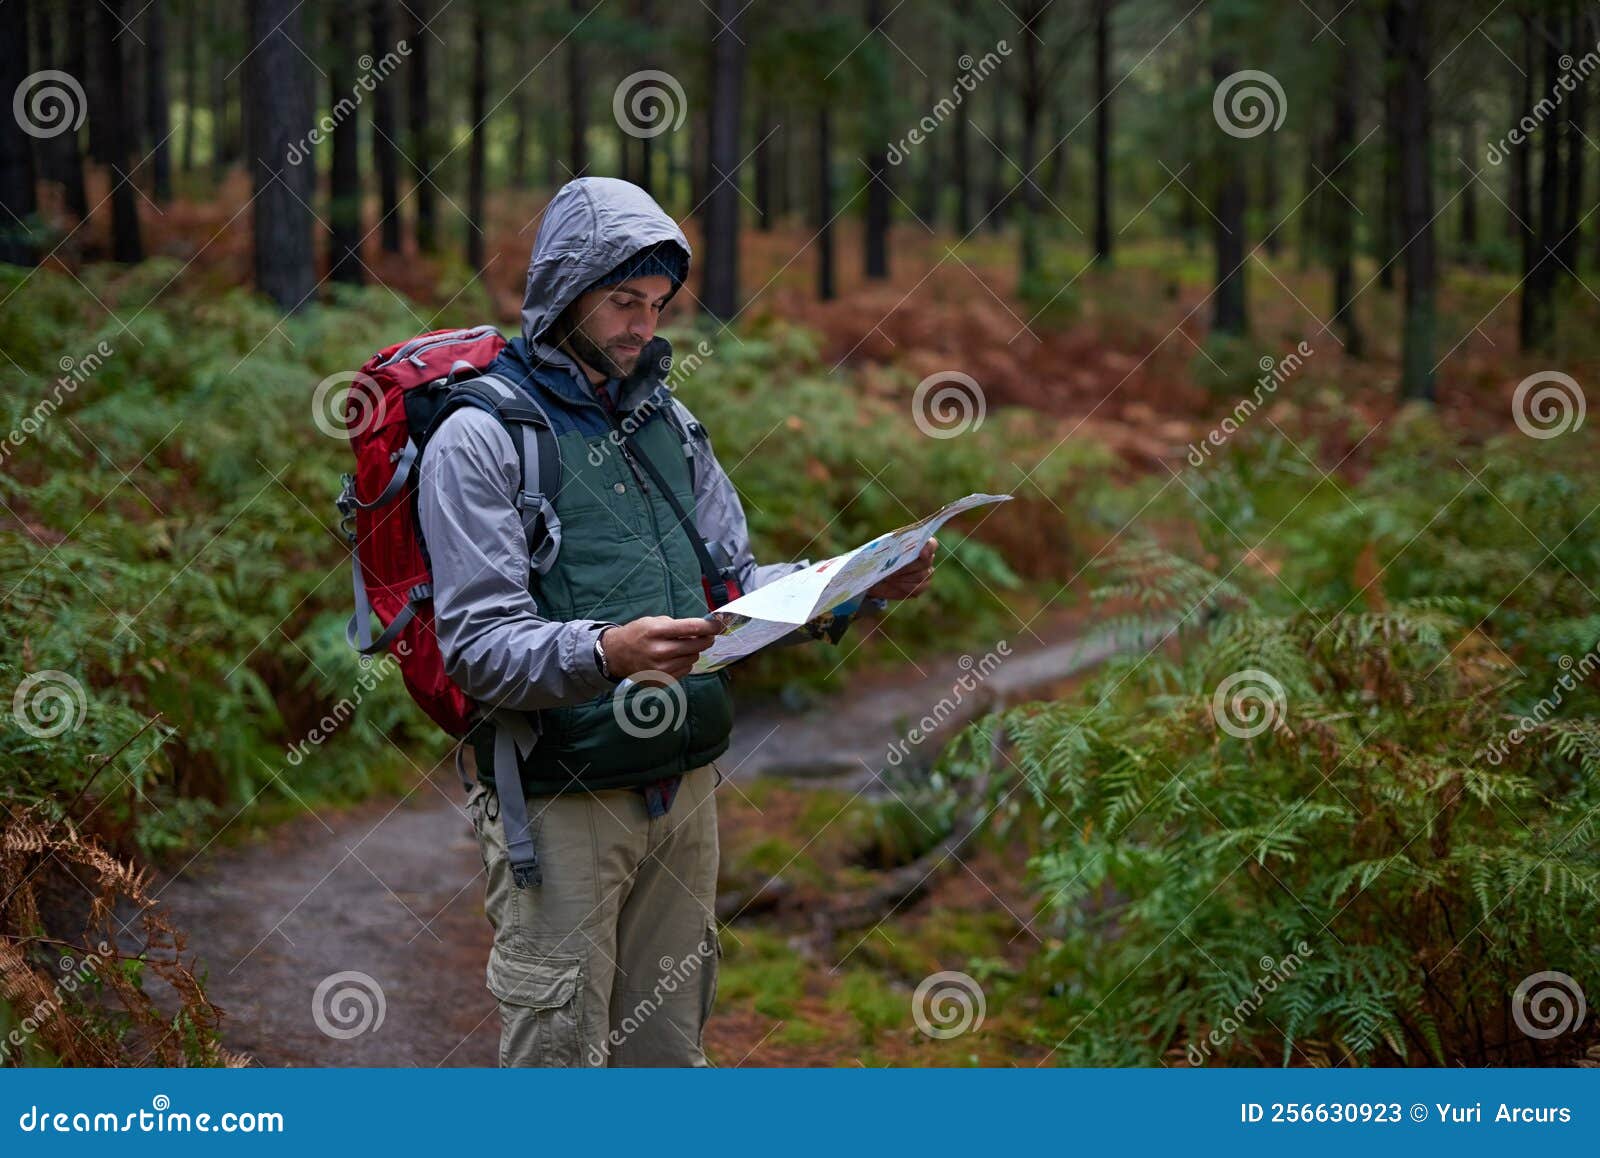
(613, 323)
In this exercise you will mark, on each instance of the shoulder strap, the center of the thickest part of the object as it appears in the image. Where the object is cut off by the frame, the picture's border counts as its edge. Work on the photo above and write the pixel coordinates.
(718, 574)
(538, 456)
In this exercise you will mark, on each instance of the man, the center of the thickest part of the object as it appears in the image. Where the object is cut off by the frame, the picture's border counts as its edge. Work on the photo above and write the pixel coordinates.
(597, 824)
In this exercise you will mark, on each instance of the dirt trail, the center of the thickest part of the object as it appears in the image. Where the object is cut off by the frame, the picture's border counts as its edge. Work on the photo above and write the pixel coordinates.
(394, 889)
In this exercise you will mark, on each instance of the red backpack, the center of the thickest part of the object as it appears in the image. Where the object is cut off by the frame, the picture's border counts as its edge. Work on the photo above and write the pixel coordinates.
(394, 403)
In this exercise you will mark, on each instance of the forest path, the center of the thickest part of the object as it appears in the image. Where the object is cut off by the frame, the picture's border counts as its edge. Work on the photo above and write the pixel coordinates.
(389, 893)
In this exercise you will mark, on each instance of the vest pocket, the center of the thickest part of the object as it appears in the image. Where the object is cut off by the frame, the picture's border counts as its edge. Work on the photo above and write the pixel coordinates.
(710, 715)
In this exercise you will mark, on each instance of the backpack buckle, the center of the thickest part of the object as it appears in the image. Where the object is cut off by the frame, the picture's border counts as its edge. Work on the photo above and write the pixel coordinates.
(527, 875)
(346, 502)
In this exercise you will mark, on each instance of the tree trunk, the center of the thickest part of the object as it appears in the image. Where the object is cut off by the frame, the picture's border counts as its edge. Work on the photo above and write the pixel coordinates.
(1521, 214)
(1411, 47)
(1572, 214)
(961, 168)
(1229, 314)
(477, 178)
(60, 155)
(191, 85)
(279, 120)
(84, 18)
(1314, 205)
(18, 204)
(1385, 234)
(550, 147)
(1032, 92)
(522, 138)
(577, 92)
(217, 66)
(344, 177)
(1340, 216)
(1469, 193)
(126, 244)
(826, 291)
(875, 253)
(720, 290)
(157, 108)
(647, 145)
(763, 161)
(624, 153)
(1273, 242)
(1539, 290)
(783, 195)
(1102, 131)
(999, 196)
(71, 155)
(417, 113)
(385, 152)
(699, 130)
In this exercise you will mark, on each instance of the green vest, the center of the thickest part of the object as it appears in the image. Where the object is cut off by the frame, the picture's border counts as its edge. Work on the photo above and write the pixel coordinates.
(622, 556)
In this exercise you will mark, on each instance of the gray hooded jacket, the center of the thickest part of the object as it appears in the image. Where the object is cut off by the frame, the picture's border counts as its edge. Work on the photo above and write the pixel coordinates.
(497, 647)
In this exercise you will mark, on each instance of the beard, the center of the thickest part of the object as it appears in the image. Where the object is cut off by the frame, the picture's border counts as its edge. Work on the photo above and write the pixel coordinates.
(601, 357)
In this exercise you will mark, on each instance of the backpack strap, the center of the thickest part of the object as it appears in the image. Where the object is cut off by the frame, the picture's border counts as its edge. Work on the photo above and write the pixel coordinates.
(832, 626)
(539, 465)
(538, 456)
(719, 572)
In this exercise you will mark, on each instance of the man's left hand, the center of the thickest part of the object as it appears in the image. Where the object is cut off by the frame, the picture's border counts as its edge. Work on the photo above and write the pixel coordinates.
(909, 581)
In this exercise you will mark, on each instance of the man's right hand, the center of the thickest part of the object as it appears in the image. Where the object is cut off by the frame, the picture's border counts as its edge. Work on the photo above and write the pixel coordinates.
(657, 643)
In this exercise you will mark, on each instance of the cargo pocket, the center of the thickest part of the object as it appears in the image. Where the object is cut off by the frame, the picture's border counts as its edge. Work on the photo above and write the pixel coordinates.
(541, 1008)
(711, 955)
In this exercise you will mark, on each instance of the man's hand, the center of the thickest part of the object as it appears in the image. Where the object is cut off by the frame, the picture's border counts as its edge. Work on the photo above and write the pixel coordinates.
(657, 643)
(909, 581)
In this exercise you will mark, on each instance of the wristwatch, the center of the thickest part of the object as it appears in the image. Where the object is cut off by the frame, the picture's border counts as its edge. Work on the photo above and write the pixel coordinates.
(875, 603)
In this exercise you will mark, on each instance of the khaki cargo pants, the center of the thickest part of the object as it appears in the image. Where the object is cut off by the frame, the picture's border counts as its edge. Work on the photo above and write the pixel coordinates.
(612, 960)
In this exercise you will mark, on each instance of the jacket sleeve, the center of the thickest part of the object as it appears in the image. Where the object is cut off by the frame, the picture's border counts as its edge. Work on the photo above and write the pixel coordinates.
(497, 647)
(720, 515)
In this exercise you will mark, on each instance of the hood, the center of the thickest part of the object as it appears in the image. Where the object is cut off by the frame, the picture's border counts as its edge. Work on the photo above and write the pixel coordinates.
(590, 227)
